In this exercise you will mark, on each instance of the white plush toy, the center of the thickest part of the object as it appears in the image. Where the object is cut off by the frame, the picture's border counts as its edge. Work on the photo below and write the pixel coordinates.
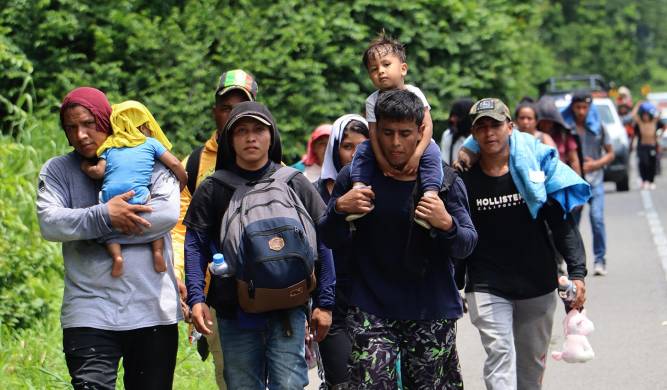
(576, 348)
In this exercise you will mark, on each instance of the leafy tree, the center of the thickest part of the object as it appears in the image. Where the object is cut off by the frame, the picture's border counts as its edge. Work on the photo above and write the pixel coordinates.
(624, 41)
(27, 262)
(16, 87)
(306, 56)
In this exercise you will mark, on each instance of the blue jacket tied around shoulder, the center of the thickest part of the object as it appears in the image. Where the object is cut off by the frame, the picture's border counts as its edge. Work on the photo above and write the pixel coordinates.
(538, 174)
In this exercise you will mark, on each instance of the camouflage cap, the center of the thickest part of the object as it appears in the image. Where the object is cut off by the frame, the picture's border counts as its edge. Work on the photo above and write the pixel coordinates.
(237, 79)
(490, 107)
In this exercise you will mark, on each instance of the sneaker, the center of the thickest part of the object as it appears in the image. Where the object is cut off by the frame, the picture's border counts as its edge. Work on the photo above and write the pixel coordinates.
(354, 217)
(423, 223)
(600, 269)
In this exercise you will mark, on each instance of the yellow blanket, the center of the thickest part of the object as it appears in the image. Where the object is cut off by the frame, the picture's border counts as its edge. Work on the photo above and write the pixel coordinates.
(126, 118)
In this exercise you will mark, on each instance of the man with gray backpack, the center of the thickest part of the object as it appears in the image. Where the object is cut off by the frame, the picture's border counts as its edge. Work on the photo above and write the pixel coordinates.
(262, 218)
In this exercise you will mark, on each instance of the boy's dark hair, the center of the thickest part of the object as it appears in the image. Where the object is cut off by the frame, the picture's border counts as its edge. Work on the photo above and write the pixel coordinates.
(643, 111)
(581, 97)
(528, 105)
(355, 127)
(382, 45)
(399, 104)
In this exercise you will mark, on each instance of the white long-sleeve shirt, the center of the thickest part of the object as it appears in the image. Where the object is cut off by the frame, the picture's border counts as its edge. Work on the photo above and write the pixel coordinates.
(446, 146)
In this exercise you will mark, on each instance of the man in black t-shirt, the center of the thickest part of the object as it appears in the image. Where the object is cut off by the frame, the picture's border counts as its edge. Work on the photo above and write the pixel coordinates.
(511, 274)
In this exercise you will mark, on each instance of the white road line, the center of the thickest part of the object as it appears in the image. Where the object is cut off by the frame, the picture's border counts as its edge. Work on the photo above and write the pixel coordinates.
(659, 238)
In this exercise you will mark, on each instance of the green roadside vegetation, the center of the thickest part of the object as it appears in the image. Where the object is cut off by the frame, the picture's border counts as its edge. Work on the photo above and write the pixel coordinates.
(32, 358)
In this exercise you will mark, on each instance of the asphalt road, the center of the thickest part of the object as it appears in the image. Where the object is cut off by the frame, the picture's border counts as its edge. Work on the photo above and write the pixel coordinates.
(628, 306)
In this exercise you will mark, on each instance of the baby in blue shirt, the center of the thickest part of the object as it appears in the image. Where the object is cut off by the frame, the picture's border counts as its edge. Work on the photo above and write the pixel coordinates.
(126, 161)
(385, 61)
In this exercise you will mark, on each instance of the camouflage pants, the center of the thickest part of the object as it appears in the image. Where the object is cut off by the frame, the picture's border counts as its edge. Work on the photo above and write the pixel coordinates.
(427, 352)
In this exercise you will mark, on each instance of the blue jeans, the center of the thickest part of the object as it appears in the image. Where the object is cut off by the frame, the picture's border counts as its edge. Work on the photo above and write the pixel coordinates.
(596, 214)
(252, 354)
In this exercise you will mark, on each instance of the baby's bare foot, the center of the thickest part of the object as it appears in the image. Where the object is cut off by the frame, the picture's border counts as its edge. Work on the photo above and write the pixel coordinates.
(158, 262)
(117, 267)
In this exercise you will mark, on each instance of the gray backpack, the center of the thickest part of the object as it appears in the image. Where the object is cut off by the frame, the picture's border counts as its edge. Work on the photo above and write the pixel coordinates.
(269, 241)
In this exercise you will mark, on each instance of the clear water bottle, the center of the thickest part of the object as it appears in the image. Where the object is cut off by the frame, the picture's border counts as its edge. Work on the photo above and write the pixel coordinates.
(219, 266)
(567, 290)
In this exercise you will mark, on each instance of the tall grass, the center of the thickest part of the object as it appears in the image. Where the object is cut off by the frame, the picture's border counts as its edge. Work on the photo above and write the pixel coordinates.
(27, 262)
(33, 359)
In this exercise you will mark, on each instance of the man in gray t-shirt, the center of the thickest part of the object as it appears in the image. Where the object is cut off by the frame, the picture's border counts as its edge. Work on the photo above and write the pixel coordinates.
(105, 318)
(597, 153)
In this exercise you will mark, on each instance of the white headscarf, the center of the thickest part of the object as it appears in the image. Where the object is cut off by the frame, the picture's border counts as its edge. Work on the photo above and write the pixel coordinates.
(329, 169)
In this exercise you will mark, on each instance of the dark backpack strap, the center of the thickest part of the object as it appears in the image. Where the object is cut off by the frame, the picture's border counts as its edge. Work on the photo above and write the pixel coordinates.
(192, 168)
(416, 257)
(449, 177)
(222, 293)
(228, 179)
(226, 184)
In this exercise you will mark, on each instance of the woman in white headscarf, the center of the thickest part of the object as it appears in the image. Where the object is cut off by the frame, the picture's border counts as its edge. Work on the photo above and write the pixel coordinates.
(347, 132)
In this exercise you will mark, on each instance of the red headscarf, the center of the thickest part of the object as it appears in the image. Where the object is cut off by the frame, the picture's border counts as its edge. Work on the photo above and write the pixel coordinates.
(94, 101)
(310, 158)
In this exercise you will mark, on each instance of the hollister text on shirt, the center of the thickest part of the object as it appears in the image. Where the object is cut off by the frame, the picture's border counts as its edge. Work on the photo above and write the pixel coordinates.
(500, 201)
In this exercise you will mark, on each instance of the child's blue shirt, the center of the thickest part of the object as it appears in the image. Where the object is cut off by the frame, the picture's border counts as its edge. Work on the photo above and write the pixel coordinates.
(130, 169)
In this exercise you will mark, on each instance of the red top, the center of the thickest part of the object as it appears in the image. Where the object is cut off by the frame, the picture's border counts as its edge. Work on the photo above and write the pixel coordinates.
(565, 144)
